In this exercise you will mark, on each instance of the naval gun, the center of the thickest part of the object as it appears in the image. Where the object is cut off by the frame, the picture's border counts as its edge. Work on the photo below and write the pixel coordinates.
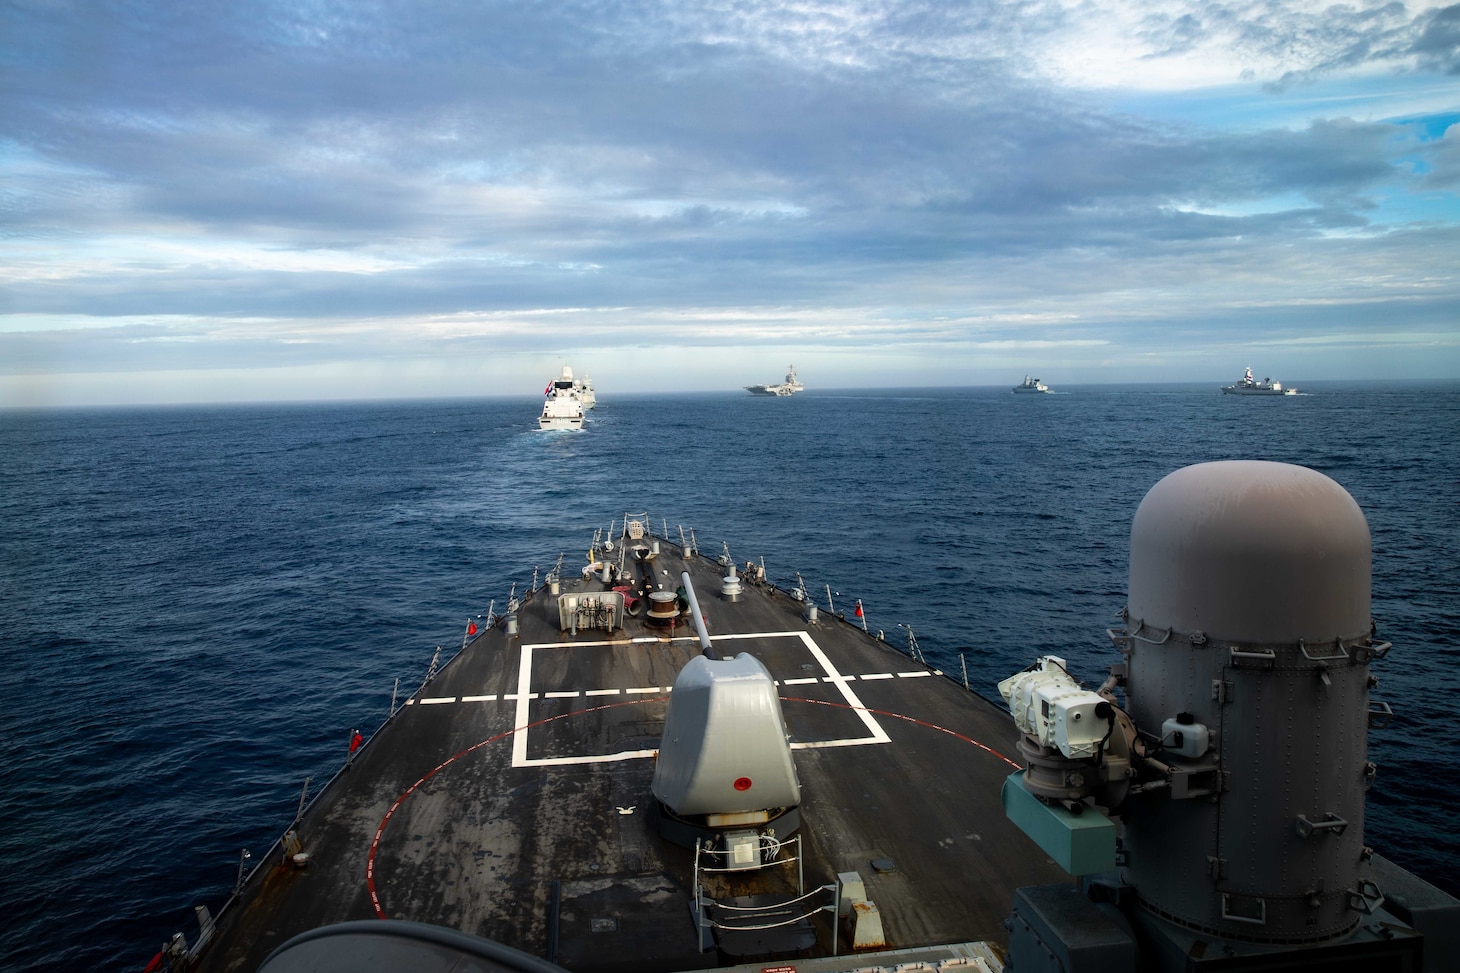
(724, 773)
(1215, 815)
(725, 785)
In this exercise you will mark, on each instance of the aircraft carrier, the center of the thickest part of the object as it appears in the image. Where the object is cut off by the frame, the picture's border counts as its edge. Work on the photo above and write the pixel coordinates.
(816, 798)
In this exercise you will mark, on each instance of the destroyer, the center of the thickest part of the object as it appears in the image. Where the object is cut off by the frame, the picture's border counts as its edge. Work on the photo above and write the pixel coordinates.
(663, 763)
(1031, 385)
(789, 387)
(1247, 385)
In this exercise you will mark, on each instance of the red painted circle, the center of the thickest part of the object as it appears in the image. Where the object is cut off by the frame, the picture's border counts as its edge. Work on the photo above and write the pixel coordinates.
(742, 783)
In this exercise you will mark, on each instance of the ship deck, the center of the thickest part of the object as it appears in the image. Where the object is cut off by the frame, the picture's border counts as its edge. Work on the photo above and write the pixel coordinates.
(510, 797)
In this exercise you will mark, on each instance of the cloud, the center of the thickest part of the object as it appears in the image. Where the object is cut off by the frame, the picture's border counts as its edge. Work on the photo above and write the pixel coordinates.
(1185, 44)
(1442, 161)
(1438, 45)
(336, 181)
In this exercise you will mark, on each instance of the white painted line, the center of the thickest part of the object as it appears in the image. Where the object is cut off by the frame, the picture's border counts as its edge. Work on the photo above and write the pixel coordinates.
(480, 699)
(408, 702)
(846, 742)
(603, 758)
(913, 675)
(879, 735)
(438, 699)
(755, 635)
(644, 639)
(524, 695)
(875, 675)
(678, 638)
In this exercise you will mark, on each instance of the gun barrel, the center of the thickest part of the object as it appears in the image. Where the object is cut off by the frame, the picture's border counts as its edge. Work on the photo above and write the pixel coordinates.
(694, 610)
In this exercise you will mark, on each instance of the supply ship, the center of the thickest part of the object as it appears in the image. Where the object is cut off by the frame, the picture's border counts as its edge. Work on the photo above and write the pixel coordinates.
(563, 403)
(660, 760)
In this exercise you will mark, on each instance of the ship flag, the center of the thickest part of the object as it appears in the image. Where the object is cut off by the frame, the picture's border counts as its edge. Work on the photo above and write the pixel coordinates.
(471, 627)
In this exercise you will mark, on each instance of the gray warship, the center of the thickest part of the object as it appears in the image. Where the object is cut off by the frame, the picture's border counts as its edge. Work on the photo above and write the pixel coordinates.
(790, 386)
(663, 761)
(1247, 385)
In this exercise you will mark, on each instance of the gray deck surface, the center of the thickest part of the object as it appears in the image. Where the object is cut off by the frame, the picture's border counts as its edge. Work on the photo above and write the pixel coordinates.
(475, 822)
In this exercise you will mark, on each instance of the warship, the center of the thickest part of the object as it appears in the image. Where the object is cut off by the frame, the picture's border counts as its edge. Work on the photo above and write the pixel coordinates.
(790, 386)
(586, 395)
(661, 760)
(1247, 385)
(563, 402)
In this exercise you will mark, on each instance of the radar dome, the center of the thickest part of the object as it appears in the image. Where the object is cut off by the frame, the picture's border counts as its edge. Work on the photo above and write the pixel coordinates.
(1245, 550)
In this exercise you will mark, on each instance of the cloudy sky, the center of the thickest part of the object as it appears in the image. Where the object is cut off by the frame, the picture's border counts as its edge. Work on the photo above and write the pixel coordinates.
(318, 199)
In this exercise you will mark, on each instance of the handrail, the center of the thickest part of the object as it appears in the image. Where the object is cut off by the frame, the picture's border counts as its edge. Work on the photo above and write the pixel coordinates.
(1342, 653)
(762, 908)
(779, 861)
(769, 925)
(1141, 625)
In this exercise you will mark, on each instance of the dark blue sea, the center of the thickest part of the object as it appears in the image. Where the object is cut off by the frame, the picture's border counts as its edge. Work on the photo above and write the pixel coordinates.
(198, 605)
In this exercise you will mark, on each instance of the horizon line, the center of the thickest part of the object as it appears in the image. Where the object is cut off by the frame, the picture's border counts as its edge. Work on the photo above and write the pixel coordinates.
(1195, 384)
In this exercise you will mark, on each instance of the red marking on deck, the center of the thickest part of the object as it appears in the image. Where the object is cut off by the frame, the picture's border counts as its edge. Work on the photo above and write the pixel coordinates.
(375, 845)
(380, 833)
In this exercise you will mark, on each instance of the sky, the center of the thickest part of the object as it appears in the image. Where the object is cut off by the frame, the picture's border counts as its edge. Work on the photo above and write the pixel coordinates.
(312, 199)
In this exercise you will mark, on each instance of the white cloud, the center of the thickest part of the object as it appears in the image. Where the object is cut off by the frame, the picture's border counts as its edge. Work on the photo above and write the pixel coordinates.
(340, 183)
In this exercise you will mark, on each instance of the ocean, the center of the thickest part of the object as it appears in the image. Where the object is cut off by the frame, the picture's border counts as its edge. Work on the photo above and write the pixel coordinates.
(198, 605)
